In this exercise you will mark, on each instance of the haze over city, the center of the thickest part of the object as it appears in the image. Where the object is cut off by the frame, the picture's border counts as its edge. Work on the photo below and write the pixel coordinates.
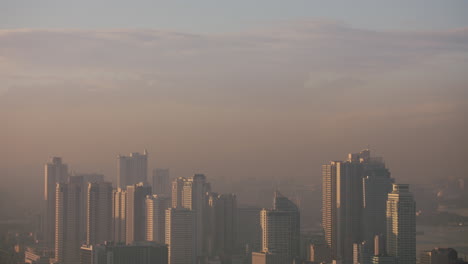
(254, 95)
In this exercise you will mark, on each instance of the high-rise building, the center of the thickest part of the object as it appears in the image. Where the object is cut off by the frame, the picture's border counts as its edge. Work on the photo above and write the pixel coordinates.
(54, 172)
(221, 224)
(177, 190)
(136, 212)
(180, 235)
(156, 206)
(117, 253)
(99, 213)
(160, 182)
(132, 169)
(249, 237)
(377, 183)
(342, 206)
(401, 224)
(82, 180)
(119, 215)
(281, 229)
(439, 256)
(67, 226)
(194, 197)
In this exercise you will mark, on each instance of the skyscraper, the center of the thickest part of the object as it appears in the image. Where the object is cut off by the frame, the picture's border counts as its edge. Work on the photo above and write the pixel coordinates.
(342, 206)
(67, 227)
(160, 182)
(132, 169)
(99, 213)
(194, 197)
(54, 172)
(177, 190)
(280, 229)
(156, 206)
(401, 224)
(377, 183)
(221, 224)
(136, 212)
(119, 215)
(180, 235)
(249, 230)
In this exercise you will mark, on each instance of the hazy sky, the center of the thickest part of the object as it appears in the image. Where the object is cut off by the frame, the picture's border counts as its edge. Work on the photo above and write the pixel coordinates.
(266, 89)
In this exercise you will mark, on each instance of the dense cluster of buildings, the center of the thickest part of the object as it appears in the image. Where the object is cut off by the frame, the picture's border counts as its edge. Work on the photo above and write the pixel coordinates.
(366, 219)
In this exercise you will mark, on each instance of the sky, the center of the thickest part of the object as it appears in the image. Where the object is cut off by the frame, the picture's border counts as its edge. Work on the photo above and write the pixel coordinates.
(265, 90)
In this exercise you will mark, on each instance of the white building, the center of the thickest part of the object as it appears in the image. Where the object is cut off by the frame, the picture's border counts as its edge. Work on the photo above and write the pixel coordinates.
(401, 224)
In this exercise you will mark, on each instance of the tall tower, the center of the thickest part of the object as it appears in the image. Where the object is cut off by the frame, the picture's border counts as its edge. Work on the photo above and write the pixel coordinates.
(119, 215)
(180, 235)
(377, 183)
(177, 190)
(99, 213)
(221, 224)
(136, 212)
(67, 227)
(156, 206)
(342, 206)
(280, 229)
(401, 224)
(194, 197)
(160, 182)
(54, 172)
(132, 169)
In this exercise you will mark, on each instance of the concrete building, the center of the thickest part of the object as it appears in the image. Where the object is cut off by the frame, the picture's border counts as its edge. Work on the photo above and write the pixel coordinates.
(99, 213)
(281, 229)
(180, 235)
(177, 190)
(221, 225)
(401, 224)
(439, 256)
(195, 198)
(266, 258)
(160, 182)
(135, 221)
(156, 206)
(54, 172)
(377, 183)
(342, 206)
(67, 223)
(119, 215)
(132, 169)
(249, 237)
(111, 253)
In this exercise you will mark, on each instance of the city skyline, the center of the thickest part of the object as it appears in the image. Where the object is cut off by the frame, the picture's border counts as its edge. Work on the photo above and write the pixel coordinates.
(233, 132)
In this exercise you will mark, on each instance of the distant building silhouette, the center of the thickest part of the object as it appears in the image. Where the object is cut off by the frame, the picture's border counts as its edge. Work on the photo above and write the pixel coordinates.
(132, 169)
(99, 213)
(119, 215)
(221, 225)
(249, 236)
(281, 230)
(160, 182)
(114, 253)
(136, 212)
(54, 172)
(439, 256)
(156, 206)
